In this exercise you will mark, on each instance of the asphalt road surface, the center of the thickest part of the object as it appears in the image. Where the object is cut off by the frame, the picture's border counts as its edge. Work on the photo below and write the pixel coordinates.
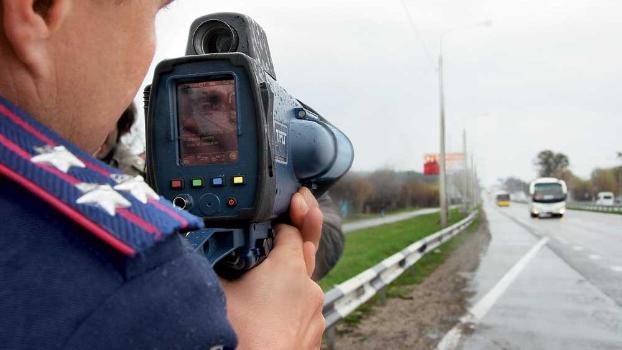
(388, 219)
(545, 284)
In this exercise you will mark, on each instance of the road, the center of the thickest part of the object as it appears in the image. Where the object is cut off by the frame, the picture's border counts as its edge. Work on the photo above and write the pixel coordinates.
(388, 219)
(545, 284)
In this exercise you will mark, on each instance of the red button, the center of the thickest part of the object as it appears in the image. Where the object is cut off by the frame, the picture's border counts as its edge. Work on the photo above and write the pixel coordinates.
(177, 184)
(232, 202)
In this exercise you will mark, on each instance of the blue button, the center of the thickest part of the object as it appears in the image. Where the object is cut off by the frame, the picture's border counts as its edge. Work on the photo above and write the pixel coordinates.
(218, 181)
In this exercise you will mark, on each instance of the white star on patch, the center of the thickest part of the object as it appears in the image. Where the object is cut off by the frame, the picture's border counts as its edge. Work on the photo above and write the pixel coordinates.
(103, 196)
(58, 157)
(136, 186)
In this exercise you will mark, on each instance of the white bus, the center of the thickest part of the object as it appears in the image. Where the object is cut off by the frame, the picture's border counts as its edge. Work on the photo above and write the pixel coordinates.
(547, 197)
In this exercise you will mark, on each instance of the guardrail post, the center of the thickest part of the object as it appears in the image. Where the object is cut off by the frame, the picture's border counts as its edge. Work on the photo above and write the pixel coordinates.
(382, 296)
(330, 336)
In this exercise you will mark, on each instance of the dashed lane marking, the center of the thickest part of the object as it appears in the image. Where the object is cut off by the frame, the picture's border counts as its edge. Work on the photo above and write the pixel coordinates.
(594, 257)
(578, 248)
(616, 268)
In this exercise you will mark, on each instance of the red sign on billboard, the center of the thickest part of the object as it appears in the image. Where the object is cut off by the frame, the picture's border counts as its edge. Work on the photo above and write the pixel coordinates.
(430, 165)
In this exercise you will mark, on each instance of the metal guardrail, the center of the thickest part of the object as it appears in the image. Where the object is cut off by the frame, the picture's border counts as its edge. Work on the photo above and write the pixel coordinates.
(346, 297)
(587, 206)
(594, 207)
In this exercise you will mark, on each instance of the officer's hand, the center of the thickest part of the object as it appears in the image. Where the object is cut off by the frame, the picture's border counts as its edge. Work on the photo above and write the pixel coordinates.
(277, 305)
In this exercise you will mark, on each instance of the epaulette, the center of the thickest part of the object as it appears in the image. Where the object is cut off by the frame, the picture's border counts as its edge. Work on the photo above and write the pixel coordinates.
(121, 210)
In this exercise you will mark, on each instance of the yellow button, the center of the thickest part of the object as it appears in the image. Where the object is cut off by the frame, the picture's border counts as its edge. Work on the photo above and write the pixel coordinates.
(238, 180)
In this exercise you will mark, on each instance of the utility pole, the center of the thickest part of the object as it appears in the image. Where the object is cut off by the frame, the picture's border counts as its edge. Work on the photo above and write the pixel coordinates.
(465, 196)
(620, 175)
(442, 188)
(442, 178)
(474, 187)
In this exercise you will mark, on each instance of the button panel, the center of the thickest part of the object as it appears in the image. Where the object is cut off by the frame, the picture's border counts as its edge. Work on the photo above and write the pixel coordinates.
(208, 204)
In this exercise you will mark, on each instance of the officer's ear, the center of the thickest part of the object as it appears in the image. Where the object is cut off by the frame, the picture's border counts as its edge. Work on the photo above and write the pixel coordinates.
(28, 26)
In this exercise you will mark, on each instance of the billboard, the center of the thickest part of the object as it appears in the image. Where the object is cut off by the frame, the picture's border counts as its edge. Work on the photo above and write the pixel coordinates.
(453, 161)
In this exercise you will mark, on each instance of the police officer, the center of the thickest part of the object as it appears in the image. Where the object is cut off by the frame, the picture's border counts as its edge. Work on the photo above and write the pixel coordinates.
(91, 258)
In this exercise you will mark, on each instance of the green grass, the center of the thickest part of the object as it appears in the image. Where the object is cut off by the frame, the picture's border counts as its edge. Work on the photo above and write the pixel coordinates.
(416, 274)
(366, 248)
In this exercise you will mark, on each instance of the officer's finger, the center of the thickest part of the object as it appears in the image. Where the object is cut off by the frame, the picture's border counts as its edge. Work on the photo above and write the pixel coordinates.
(309, 253)
(312, 226)
(298, 209)
(309, 197)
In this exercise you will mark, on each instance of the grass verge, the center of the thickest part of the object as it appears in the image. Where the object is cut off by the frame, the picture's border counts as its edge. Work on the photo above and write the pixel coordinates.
(416, 274)
(367, 247)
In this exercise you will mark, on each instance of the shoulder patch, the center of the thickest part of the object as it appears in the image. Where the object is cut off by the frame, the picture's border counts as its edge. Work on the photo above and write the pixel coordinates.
(120, 209)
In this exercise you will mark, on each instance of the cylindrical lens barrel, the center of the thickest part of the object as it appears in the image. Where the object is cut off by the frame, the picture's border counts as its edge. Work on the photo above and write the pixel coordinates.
(215, 36)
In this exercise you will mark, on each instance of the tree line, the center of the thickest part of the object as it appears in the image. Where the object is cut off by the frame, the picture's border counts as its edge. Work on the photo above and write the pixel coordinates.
(385, 190)
(551, 164)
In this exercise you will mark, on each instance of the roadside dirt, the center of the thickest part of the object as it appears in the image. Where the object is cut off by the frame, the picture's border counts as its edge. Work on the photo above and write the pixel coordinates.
(420, 320)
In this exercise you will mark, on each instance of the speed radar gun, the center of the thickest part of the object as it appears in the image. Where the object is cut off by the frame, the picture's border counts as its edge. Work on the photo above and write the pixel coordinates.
(226, 142)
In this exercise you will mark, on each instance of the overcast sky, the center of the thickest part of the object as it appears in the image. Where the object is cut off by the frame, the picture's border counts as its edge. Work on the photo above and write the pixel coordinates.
(547, 74)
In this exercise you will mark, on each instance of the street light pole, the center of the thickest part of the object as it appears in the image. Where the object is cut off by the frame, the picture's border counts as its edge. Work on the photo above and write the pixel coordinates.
(442, 188)
(442, 183)
(465, 196)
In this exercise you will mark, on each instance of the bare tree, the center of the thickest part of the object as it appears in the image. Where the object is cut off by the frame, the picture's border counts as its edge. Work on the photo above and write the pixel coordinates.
(551, 164)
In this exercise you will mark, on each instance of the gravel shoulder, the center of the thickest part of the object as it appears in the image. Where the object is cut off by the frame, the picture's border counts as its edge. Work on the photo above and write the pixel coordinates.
(419, 319)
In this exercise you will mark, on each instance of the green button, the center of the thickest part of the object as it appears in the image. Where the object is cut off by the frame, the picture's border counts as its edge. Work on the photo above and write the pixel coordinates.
(196, 183)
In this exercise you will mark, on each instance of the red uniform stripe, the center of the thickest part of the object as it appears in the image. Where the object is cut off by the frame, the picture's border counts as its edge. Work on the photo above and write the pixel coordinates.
(69, 212)
(17, 120)
(139, 221)
(170, 212)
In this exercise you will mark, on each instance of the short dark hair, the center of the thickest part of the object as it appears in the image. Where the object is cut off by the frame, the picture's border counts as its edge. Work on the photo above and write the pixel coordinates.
(126, 121)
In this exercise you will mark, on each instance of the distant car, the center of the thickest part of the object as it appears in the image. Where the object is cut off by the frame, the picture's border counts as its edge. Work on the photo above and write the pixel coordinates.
(605, 198)
(503, 199)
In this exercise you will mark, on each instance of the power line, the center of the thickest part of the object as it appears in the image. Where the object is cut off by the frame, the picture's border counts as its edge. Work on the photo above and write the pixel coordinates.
(415, 29)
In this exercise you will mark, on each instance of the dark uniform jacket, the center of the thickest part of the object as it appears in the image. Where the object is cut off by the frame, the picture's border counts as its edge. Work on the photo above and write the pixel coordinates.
(90, 258)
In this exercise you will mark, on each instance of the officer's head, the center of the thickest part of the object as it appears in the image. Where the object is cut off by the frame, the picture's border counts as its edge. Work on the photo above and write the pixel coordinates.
(75, 65)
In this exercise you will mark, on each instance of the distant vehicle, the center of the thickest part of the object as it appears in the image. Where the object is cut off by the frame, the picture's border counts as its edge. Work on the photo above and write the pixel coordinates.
(547, 197)
(503, 199)
(605, 198)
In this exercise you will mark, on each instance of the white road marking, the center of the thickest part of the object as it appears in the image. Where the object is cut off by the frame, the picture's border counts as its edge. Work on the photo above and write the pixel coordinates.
(594, 256)
(616, 268)
(578, 248)
(452, 339)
